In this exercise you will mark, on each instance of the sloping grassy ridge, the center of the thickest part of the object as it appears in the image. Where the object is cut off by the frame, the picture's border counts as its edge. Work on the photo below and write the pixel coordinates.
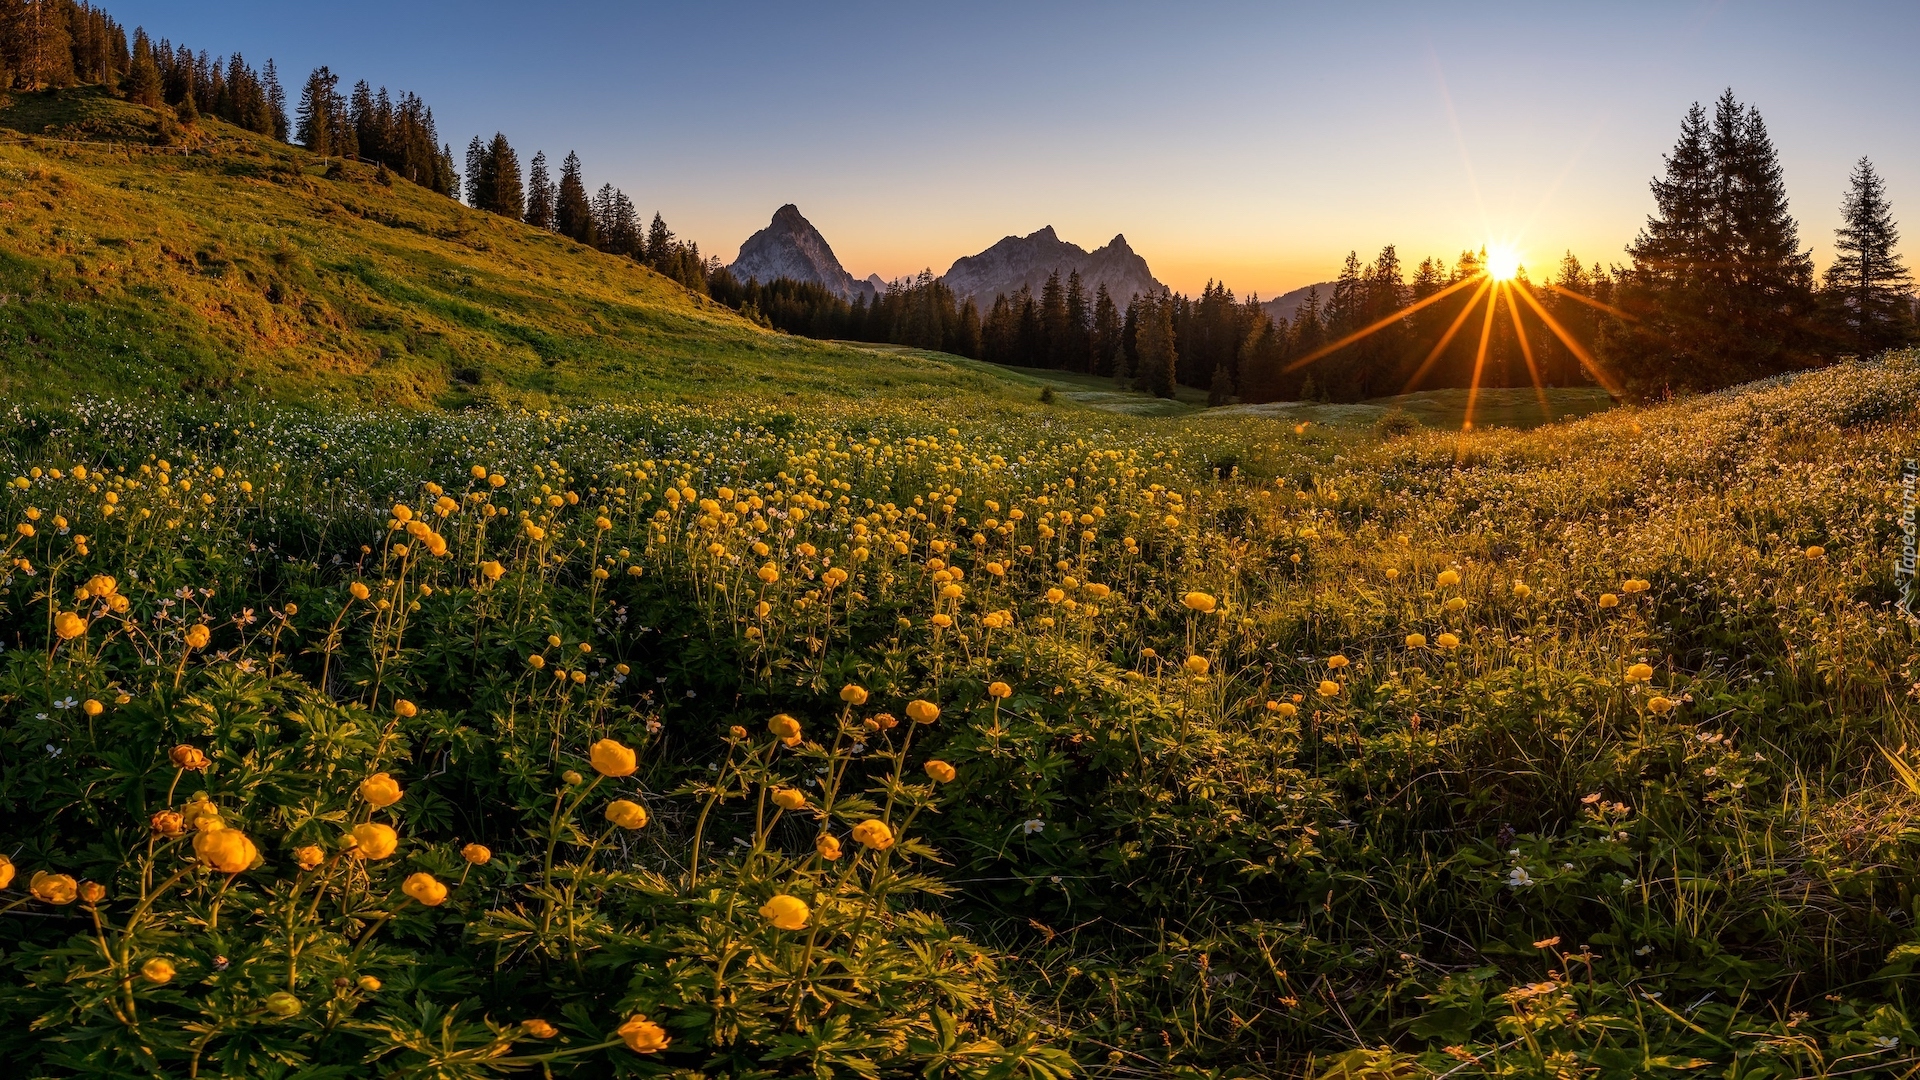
(229, 264)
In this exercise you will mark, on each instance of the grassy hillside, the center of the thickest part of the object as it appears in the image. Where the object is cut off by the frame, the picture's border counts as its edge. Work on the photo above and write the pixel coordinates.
(228, 264)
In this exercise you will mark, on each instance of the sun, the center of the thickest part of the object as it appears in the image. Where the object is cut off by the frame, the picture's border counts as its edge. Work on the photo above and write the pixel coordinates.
(1503, 263)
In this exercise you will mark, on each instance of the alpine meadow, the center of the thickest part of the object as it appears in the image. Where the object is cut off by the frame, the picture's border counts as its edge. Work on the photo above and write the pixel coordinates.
(452, 627)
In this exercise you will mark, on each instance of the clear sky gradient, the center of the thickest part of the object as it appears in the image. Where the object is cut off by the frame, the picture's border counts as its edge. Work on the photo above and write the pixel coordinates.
(1254, 143)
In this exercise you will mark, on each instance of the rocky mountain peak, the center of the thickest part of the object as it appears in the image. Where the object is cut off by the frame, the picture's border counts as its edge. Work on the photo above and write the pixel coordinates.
(1026, 261)
(790, 247)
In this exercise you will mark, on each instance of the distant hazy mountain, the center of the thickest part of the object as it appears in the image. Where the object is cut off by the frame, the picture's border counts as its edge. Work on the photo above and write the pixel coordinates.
(1283, 306)
(1027, 260)
(790, 247)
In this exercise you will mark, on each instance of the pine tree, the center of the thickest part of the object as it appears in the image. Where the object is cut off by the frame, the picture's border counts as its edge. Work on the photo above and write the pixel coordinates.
(540, 193)
(573, 211)
(1868, 288)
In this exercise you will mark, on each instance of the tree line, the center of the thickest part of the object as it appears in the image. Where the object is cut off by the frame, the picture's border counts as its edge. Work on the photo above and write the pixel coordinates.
(1717, 291)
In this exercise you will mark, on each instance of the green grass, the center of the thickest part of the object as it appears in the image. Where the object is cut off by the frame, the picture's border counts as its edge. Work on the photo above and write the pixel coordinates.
(237, 269)
(1419, 815)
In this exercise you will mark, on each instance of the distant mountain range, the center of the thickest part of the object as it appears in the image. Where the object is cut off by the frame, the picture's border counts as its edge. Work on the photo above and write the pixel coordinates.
(1284, 305)
(790, 247)
(1018, 261)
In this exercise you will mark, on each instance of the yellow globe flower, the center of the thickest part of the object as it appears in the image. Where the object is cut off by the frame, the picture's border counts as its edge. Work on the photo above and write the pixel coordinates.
(425, 888)
(1816, 553)
(492, 570)
(851, 694)
(1200, 602)
(874, 834)
(1521, 590)
(367, 983)
(1660, 706)
(787, 728)
(187, 757)
(1639, 673)
(477, 854)
(1456, 604)
(226, 850)
(627, 814)
(405, 708)
(1447, 641)
(789, 798)
(1329, 688)
(768, 573)
(158, 970)
(359, 591)
(999, 690)
(1608, 600)
(56, 889)
(922, 712)
(283, 1004)
(198, 635)
(539, 1029)
(1197, 664)
(611, 758)
(940, 771)
(786, 912)
(69, 625)
(92, 707)
(828, 847)
(7, 871)
(373, 841)
(1416, 641)
(309, 856)
(643, 1036)
(1337, 661)
(380, 790)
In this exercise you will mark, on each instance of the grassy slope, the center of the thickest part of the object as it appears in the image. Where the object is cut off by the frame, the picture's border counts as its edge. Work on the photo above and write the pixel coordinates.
(228, 264)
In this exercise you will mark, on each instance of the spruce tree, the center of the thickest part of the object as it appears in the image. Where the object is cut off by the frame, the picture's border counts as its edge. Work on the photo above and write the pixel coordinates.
(143, 76)
(1868, 289)
(1053, 322)
(540, 193)
(317, 113)
(1105, 344)
(276, 101)
(478, 183)
(1720, 291)
(1154, 347)
(660, 244)
(573, 211)
(504, 194)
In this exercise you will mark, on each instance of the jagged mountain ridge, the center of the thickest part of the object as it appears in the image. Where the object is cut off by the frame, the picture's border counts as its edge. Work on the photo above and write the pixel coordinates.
(790, 247)
(1018, 261)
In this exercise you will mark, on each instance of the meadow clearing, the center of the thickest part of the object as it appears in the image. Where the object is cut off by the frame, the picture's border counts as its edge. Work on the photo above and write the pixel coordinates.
(959, 735)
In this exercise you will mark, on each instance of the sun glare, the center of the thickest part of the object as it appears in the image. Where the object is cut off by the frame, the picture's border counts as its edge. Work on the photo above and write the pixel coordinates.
(1503, 263)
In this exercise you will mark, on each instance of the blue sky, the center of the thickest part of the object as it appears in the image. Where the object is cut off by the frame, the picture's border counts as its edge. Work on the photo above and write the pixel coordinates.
(1256, 143)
